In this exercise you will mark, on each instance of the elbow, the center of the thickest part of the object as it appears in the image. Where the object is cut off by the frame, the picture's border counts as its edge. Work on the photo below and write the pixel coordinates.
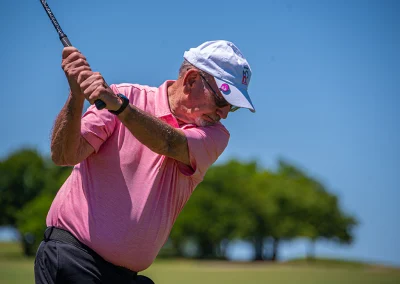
(56, 160)
(55, 154)
(59, 160)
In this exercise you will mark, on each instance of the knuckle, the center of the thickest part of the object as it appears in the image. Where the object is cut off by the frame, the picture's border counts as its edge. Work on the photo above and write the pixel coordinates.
(64, 65)
(68, 51)
(70, 71)
(83, 86)
(71, 56)
(77, 62)
(80, 78)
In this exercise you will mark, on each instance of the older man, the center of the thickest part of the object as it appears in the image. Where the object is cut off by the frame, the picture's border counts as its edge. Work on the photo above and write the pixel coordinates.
(136, 163)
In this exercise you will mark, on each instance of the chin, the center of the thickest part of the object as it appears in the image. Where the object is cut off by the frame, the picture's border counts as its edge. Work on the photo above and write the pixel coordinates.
(202, 122)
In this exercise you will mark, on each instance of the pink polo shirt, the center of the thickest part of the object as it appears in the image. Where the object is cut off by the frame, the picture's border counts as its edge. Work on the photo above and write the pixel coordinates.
(123, 200)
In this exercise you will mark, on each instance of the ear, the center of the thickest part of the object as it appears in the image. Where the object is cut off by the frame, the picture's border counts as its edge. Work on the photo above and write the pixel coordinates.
(189, 80)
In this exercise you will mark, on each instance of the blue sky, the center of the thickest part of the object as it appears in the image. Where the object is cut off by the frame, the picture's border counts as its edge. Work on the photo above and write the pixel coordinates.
(325, 85)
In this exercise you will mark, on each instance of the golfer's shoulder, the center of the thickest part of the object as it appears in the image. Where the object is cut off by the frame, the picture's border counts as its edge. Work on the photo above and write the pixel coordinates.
(217, 127)
(132, 87)
(217, 132)
(132, 90)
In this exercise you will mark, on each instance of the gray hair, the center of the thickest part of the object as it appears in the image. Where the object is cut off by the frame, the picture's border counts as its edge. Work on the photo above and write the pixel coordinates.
(186, 65)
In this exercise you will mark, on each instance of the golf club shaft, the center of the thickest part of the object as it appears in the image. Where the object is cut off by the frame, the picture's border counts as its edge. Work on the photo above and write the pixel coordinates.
(65, 41)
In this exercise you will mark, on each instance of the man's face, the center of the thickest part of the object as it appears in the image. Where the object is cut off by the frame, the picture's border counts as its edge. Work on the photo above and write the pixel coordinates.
(206, 105)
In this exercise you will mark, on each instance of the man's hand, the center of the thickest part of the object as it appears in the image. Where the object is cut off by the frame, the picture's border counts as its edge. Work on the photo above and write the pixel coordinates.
(95, 88)
(85, 83)
(73, 63)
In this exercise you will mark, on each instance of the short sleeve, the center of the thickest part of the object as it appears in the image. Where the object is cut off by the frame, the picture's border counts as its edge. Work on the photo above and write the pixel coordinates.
(98, 125)
(205, 145)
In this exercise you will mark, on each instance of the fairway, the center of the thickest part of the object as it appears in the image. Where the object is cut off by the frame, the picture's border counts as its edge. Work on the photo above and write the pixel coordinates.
(16, 269)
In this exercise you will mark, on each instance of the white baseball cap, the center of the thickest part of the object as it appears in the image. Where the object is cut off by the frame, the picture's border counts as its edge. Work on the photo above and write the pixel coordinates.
(224, 61)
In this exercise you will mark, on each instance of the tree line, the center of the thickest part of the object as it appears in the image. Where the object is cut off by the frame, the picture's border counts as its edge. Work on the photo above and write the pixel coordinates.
(236, 200)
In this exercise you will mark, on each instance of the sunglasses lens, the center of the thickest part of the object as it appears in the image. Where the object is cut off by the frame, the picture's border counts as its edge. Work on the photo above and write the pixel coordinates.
(234, 108)
(219, 101)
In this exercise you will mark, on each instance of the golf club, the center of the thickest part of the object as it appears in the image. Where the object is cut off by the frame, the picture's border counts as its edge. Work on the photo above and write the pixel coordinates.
(65, 41)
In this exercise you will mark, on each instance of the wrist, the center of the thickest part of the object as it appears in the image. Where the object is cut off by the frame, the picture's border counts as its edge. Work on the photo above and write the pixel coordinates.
(74, 99)
(124, 103)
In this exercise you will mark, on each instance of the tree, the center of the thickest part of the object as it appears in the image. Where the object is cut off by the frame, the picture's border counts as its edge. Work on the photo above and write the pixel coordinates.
(22, 178)
(321, 215)
(289, 204)
(259, 204)
(28, 184)
(31, 219)
(214, 212)
(275, 205)
(31, 222)
(239, 200)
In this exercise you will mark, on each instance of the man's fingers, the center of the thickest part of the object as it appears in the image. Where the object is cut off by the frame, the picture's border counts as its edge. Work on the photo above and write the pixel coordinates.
(75, 64)
(68, 50)
(74, 72)
(97, 93)
(83, 75)
(95, 79)
(90, 91)
(74, 57)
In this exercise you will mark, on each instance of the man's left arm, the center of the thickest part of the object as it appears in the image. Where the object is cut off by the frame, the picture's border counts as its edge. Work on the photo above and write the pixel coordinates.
(157, 135)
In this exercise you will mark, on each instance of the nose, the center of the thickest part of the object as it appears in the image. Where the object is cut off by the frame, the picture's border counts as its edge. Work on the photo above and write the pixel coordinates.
(223, 111)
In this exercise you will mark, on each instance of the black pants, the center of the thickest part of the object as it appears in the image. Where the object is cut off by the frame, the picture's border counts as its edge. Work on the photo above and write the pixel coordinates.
(60, 261)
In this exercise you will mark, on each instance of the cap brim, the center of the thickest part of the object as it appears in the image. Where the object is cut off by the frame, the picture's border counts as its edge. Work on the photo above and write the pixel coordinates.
(235, 96)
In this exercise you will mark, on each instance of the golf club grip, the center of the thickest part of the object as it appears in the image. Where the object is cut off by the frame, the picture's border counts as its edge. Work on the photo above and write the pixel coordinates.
(65, 41)
(99, 103)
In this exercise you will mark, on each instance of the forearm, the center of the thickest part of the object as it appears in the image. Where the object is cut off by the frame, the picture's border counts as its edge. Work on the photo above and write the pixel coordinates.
(157, 135)
(66, 136)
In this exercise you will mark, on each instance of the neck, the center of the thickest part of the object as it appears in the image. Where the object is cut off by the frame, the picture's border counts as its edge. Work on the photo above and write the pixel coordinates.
(174, 100)
(172, 94)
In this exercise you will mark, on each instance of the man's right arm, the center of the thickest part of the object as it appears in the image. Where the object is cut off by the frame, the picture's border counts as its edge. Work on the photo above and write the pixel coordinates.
(68, 147)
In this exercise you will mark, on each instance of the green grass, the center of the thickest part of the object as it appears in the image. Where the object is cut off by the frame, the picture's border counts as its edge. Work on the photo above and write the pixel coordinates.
(16, 269)
(329, 262)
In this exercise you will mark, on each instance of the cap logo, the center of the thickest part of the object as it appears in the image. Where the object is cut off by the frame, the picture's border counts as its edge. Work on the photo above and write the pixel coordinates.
(245, 78)
(224, 87)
